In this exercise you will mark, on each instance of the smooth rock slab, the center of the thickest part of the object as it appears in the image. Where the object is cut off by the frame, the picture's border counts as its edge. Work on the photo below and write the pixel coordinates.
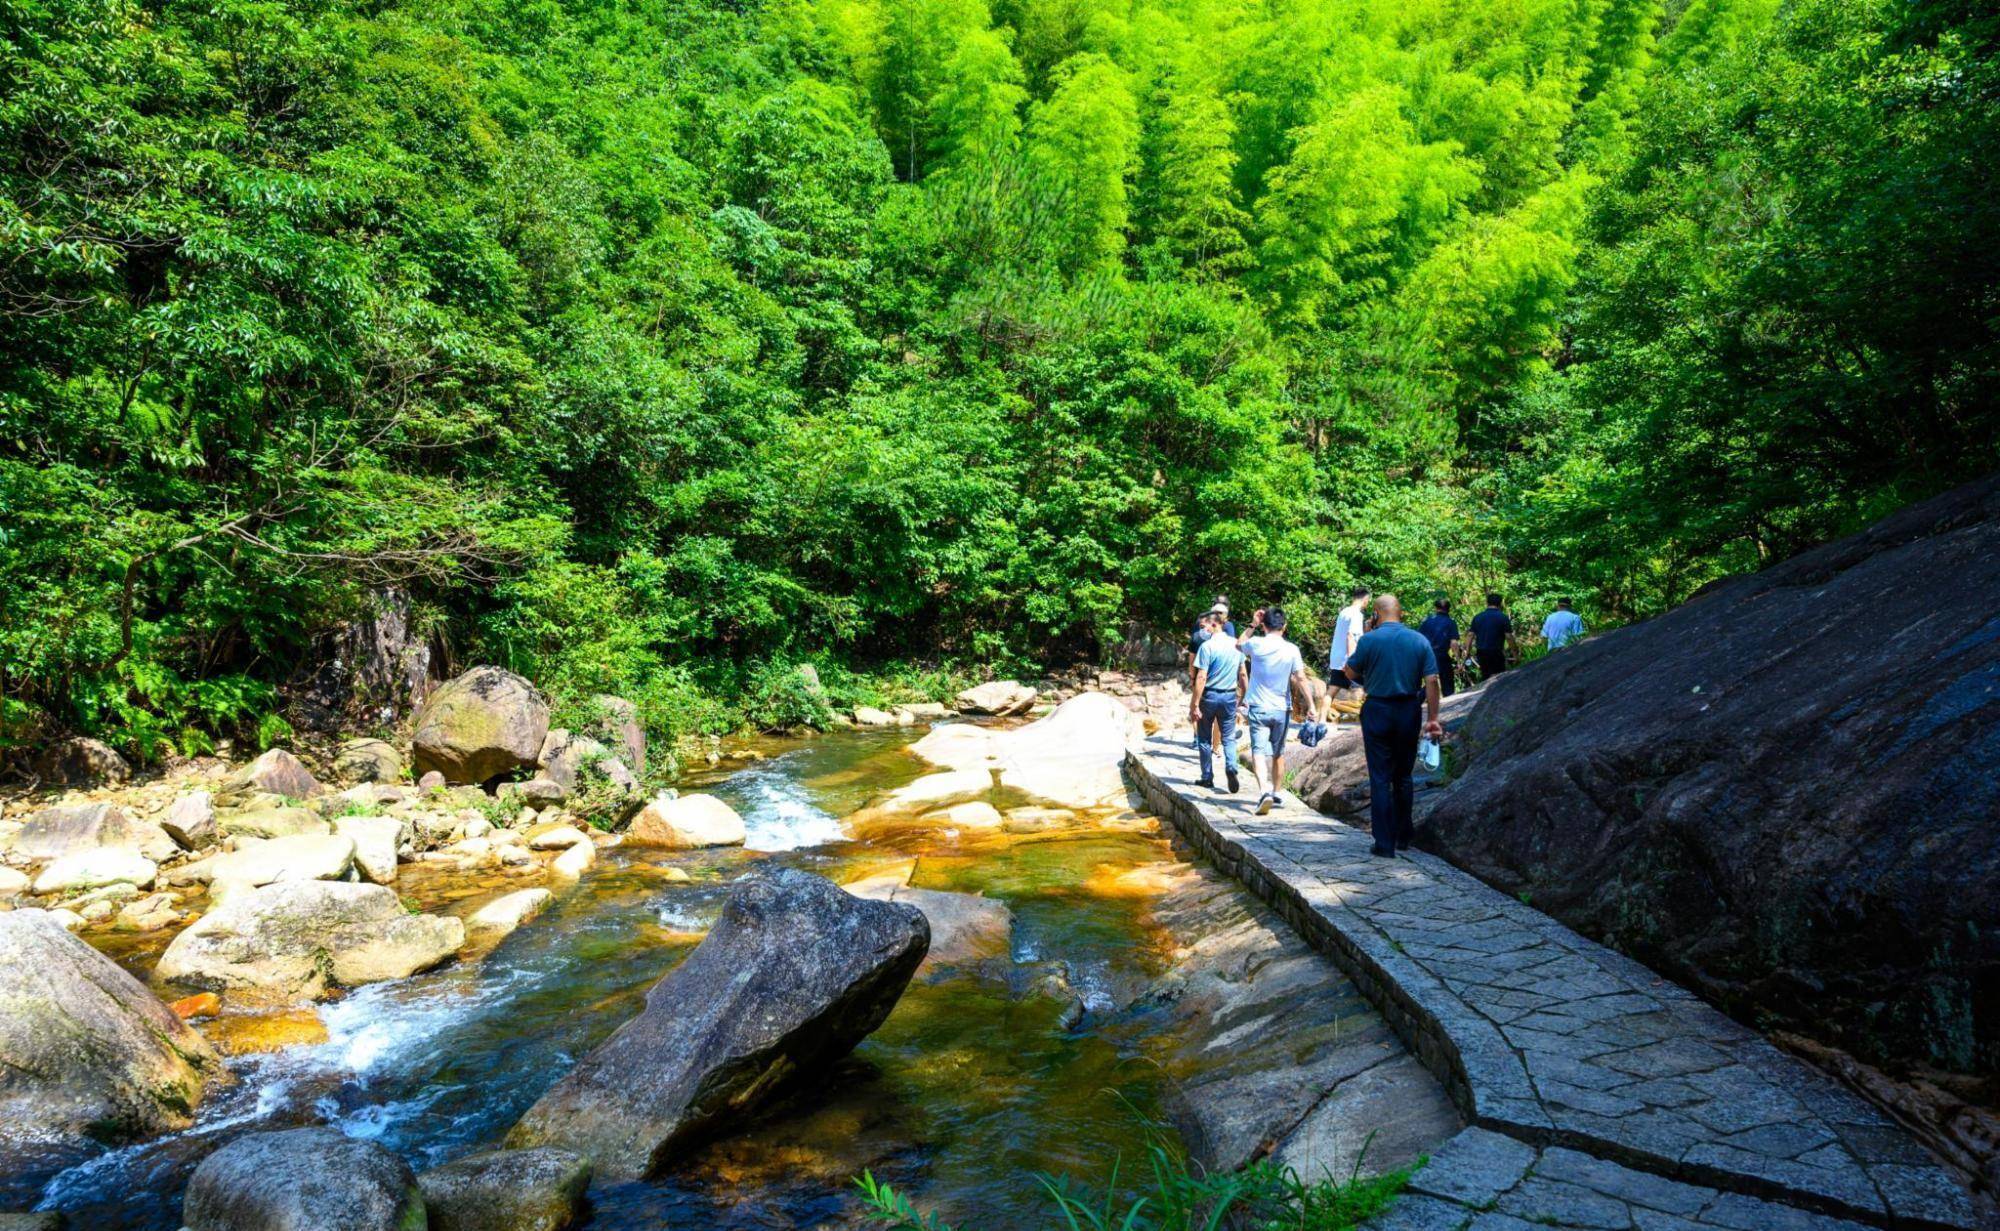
(84, 1047)
(297, 941)
(792, 976)
(303, 1179)
(686, 822)
(507, 1190)
(70, 829)
(259, 862)
(111, 865)
(507, 912)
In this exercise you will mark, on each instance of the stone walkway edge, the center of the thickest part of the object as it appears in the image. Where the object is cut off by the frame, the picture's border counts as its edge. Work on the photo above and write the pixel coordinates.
(1598, 1093)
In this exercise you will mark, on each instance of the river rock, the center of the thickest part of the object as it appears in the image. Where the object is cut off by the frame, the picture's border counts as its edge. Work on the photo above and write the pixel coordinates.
(1072, 757)
(70, 829)
(574, 861)
(81, 761)
(376, 840)
(367, 760)
(556, 837)
(274, 772)
(272, 823)
(295, 941)
(109, 865)
(84, 1047)
(190, 821)
(151, 913)
(998, 698)
(485, 723)
(13, 883)
(507, 1190)
(507, 912)
(869, 716)
(686, 822)
(794, 973)
(258, 862)
(1782, 793)
(302, 1179)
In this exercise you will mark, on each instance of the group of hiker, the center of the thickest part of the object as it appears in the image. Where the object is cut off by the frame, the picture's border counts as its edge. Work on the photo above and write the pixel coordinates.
(1399, 675)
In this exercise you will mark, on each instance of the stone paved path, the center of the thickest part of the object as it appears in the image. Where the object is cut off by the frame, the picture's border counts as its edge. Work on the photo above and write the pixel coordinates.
(1567, 1058)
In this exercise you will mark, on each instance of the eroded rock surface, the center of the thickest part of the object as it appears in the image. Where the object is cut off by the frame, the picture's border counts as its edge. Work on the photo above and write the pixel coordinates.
(792, 976)
(507, 1190)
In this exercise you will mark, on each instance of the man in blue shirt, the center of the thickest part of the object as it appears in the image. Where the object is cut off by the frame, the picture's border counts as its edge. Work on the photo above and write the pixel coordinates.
(1442, 632)
(1492, 638)
(1217, 668)
(1397, 668)
(1563, 625)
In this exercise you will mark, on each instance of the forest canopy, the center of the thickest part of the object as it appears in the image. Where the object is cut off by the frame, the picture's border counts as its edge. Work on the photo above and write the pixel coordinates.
(656, 345)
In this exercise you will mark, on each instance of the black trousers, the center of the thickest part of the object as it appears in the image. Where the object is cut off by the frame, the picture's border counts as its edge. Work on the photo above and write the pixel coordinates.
(1447, 676)
(1390, 728)
(1491, 662)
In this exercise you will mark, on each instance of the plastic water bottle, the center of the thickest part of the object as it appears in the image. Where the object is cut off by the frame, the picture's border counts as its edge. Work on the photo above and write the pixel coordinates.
(1428, 753)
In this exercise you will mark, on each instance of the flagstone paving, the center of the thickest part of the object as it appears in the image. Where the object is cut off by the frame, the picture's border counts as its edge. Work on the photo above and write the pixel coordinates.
(1625, 1100)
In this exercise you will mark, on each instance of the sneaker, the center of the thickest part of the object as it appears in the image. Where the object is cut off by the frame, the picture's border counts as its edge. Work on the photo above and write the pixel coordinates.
(1233, 782)
(1266, 803)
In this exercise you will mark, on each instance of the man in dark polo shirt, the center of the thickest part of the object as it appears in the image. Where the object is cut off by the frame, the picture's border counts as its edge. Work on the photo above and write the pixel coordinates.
(1492, 639)
(1396, 667)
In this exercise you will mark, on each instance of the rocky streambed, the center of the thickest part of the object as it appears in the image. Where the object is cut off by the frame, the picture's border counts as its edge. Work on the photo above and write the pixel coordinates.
(1081, 980)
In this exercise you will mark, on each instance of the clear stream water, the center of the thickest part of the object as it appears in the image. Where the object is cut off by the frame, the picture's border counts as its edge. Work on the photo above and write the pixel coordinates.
(973, 1083)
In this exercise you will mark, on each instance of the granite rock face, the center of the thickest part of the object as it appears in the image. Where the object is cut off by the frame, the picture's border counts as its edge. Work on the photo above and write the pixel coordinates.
(793, 975)
(1782, 793)
(507, 1190)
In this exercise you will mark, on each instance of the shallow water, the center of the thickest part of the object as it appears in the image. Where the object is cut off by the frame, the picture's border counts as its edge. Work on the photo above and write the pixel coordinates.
(971, 1085)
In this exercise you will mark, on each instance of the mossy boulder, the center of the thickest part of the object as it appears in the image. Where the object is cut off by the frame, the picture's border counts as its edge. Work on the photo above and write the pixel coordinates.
(485, 723)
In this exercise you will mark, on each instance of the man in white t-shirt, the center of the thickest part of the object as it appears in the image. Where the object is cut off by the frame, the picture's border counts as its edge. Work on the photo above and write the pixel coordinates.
(1274, 672)
(1347, 630)
(1563, 626)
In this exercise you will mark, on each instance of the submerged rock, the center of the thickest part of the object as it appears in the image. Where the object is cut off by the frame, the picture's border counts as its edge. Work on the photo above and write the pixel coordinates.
(297, 941)
(792, 976)
(965, 927)
(302, 1179)
(507, 1190)
(84, 1047)
(686, 822)
(485, 723)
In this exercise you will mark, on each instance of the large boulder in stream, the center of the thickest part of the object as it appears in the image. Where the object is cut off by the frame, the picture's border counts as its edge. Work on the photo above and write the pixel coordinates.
(303, 1179)
(1783, 792)
(1072, 757)
(998, 698)
(73, 829)
(297, 940)
(792, 976)
(480, 725)
(85, 1049)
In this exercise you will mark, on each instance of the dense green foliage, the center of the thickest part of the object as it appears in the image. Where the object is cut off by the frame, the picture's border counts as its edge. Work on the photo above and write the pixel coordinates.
(651, 344)
(1169, 1194)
